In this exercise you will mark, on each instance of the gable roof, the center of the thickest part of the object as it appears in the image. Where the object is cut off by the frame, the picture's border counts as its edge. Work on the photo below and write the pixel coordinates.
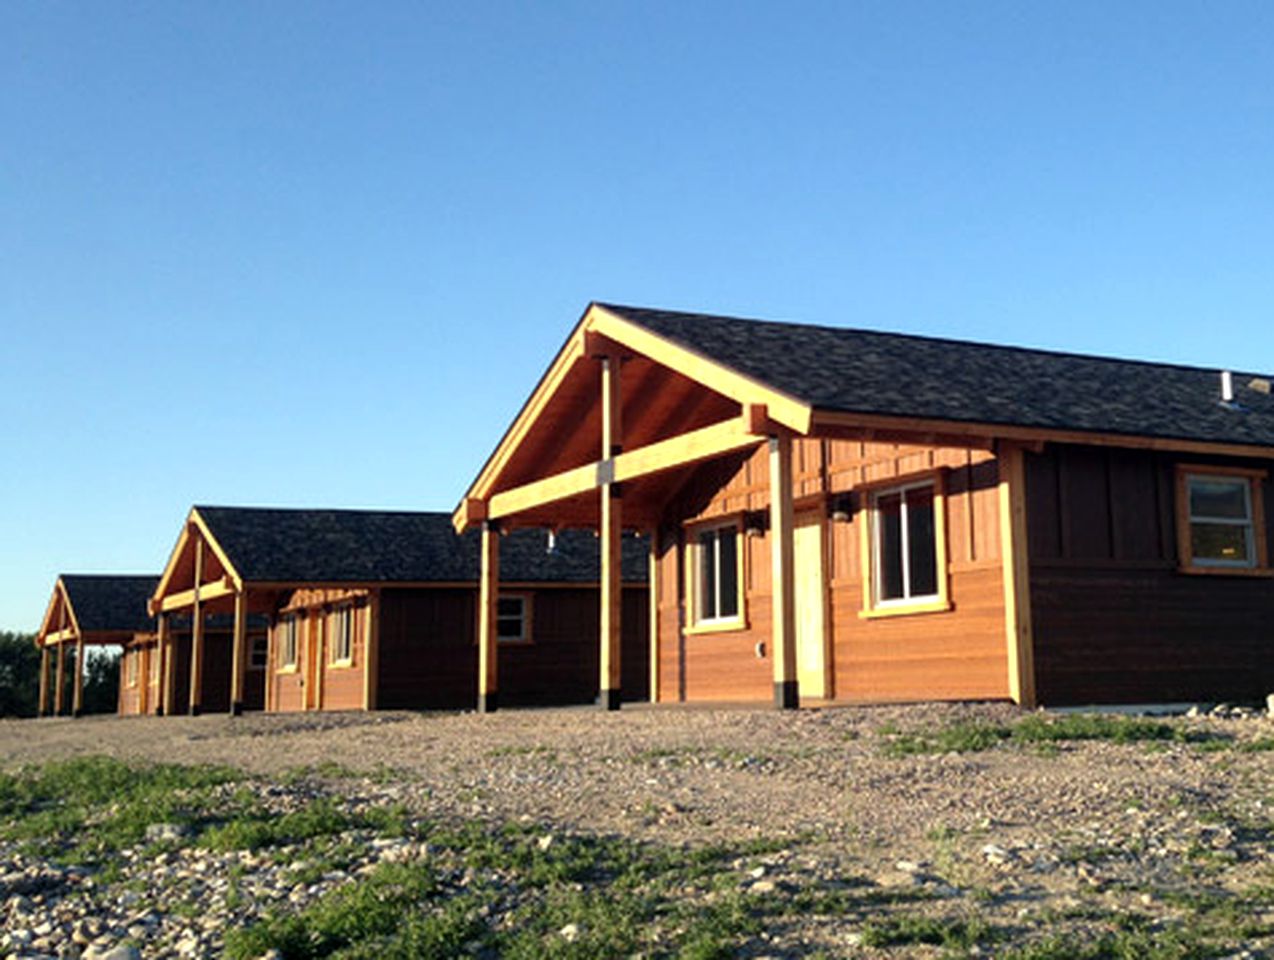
(110, 603)
(273, 545)
(866, 372)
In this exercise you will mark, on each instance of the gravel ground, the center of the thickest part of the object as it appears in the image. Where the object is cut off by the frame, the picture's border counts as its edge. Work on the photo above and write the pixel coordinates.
(1023, 835)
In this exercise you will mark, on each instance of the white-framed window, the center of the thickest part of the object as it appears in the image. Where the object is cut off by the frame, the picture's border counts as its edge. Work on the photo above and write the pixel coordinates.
(258, 652)
(905, 551)
(513, 618)
(286, 633)
(340, 635)
(1220, 519)
(717, 586)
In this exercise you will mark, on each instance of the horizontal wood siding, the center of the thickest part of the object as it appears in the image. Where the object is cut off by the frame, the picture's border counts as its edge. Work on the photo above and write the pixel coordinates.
(343, 685)
(956, 654)
(428, 658)
(130, 697)
(1114, 619)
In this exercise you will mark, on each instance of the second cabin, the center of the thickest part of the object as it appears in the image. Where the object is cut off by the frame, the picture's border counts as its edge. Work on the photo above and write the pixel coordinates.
(363, 609)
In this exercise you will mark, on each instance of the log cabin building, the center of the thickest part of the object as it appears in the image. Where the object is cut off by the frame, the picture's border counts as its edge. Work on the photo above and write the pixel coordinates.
(839, 514)
(366, 609)
(86, 611)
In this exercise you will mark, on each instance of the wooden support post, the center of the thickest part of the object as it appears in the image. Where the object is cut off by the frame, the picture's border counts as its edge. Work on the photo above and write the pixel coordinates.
(59, 690)
(196, 638)
(653, 598)
(782, 555)
(488, 611)
(44, 680)
(166, 670)
(371, 651)
(1020, 646)
(77, 694)
(612, 528)
(238, 651)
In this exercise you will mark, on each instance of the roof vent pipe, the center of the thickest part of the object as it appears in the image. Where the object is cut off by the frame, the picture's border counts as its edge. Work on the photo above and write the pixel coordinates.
(1227, 387)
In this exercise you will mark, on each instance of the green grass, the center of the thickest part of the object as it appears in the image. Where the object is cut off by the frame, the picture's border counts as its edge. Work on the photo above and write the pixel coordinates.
(1044, 733)
(953, 934)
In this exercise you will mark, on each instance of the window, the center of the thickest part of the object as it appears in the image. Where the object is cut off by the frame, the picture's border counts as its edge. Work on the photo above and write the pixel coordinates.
(258, 652)
(287, 631)
(1220, 520)
(340, 625)
(513, 620)
(905, 550)
(717, 578)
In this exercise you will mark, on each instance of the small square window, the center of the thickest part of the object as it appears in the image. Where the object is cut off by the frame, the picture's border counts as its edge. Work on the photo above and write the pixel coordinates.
(512, 620)
(904, 549)
(1219, 515)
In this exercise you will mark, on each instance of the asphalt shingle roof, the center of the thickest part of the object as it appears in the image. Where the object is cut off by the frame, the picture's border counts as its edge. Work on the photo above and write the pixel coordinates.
(268, 545)
(862, 371)
(108, 602)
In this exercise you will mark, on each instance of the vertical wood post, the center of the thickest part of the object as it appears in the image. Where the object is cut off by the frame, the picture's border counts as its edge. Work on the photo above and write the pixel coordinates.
(166, 671)
(44, 680)
(653, 599)
(77, 695)
(488, 610)
(59, 690)
(371, 651)
(782, 556)
(1020, 647)
(143, 679)
(238, 651)
(196, 637)
(612, 528)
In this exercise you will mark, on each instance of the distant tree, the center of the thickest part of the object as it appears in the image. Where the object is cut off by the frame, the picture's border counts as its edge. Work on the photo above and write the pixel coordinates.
(19, 675)
(101, 681)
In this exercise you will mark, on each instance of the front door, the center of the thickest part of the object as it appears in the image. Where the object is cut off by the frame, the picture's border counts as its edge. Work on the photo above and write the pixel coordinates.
(811, 606)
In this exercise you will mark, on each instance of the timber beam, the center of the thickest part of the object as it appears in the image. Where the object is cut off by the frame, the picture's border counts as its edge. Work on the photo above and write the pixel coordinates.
(727, 436)
(205, 592)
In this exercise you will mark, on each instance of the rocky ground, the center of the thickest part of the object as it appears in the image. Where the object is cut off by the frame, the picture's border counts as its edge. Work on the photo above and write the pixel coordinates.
(971, 830)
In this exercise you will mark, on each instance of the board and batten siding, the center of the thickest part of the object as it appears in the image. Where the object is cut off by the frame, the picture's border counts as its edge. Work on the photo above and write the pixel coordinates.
(1115, 621)
(954, 654)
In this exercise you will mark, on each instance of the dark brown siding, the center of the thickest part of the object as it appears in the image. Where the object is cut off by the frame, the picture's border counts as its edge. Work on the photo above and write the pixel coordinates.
(428, 650)
(1114, 620)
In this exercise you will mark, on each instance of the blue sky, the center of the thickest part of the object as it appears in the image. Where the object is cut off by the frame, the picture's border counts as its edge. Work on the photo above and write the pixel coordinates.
(317, 254)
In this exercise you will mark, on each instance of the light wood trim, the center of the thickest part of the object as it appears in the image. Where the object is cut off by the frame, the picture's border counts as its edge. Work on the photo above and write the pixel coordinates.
(196, 634)
(238, 651)
(211, 541)
(46, 625)
(77, 690)
(170, 568)
(1020, 644)
(64, 635)
(782, 560)
(1256, 497)
(44, 681)
(653, 614)
(783, 408)
(917, 427)
(59, 692)
(371, 651)
(693, 528)
(212, 590)
(612, 530)
(488, 616)
(167, 670)
(872, 610)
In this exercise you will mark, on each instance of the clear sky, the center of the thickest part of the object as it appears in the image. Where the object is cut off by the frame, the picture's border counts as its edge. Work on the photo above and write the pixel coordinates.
(317, 254)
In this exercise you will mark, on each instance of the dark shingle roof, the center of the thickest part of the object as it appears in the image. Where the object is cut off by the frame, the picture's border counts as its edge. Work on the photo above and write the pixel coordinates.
(334, 546)
(109, 602)
(862, 371)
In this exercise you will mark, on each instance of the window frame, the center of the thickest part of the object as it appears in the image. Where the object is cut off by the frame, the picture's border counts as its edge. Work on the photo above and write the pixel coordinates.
(525, 637)
(289, 644)
(259, 642)
(335, 638)
(1254, 483)
(937, 602)
(694, 585)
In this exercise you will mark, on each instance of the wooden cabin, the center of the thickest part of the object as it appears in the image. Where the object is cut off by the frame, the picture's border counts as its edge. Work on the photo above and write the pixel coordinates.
(86, 611)
(847, 515)
(370, 609)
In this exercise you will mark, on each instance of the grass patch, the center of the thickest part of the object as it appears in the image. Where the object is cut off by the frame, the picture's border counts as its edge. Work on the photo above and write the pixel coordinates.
(953, 934)
(1044, 734)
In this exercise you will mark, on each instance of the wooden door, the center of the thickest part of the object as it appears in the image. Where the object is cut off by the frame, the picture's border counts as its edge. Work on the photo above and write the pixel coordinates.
(811, 606)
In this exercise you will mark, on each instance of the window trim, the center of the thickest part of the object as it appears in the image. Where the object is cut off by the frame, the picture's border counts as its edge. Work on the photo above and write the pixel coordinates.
(1186, 563)
(931, 603)
(527, 637)
(292, 622)
(695, 625)
(345, 611)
